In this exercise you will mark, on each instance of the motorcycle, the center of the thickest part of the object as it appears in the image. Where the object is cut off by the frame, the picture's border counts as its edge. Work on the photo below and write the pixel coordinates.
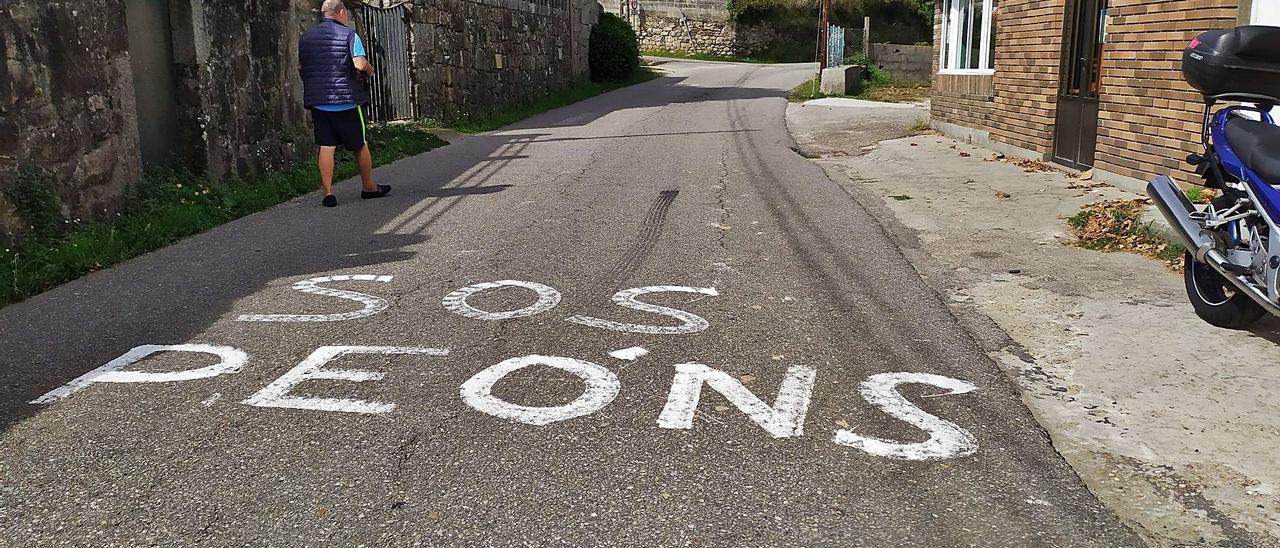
(1232, 263)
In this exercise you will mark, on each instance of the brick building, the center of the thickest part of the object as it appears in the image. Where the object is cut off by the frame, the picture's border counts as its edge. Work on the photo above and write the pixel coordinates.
(1083, 83)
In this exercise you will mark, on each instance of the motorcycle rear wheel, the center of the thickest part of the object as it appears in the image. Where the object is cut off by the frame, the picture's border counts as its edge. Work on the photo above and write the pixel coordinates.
(1215, 300)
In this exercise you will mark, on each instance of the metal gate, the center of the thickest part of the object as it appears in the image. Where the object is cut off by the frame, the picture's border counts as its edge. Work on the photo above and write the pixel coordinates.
(387, 43)
(835, 46)
(1080, 84)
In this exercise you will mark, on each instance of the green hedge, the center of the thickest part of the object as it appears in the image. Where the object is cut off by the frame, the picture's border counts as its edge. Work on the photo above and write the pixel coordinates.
(614, 52)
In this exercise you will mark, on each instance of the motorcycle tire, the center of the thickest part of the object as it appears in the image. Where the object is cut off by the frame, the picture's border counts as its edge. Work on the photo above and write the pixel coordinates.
(1215, 300)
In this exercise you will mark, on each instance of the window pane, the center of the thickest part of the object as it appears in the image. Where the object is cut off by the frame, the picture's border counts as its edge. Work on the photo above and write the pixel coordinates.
(974, 38)
(991, 47)
(965, 15)
(946, 35)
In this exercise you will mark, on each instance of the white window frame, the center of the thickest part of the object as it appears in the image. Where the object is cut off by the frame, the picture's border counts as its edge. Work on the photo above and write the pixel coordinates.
(949, 51)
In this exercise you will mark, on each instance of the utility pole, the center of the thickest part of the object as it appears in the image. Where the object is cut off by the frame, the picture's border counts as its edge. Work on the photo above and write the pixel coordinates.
(823, 34)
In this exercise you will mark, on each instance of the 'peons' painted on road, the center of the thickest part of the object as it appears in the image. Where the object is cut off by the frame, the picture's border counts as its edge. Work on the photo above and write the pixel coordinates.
(785, 418)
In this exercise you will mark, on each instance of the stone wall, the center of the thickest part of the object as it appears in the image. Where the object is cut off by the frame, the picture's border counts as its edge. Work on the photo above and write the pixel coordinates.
(693, 26)
(239, 79)
(67, 97)
(476, 57)
(658, 32)
(66, 104)
(904, 63)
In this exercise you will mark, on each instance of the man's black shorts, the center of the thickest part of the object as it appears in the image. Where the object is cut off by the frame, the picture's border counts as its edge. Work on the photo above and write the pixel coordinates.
(339, 128)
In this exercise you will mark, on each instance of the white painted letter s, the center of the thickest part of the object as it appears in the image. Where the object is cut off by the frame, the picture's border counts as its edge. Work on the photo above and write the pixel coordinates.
(627, 298)
(946, 439)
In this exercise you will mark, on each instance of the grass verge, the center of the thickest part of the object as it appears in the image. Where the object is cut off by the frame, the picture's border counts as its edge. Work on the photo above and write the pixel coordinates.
(168, 206)
(1116, 225)
(672, 54)
(877, 87)
(809, 90)
(575, 92)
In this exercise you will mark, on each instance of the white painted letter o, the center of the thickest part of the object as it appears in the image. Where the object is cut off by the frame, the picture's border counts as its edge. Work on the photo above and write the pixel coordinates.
(601, 387)
(456, 302)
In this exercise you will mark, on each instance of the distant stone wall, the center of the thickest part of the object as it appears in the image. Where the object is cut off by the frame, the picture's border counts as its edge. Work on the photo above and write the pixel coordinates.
(658, 32)
(693, 26)
(66, 106)
(904, 63)
(476, 57)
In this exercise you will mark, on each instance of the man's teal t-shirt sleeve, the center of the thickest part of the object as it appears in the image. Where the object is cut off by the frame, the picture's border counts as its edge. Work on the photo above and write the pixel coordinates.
(357, 48)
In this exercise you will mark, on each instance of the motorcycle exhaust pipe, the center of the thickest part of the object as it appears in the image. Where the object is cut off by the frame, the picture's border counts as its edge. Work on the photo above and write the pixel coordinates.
(1177, 209)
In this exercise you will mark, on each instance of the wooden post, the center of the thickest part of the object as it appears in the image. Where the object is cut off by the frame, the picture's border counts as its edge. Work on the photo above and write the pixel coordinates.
(824, 34)
(866, 37)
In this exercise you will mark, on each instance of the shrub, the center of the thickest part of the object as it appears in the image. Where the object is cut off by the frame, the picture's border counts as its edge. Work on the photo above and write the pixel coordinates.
(613, 52)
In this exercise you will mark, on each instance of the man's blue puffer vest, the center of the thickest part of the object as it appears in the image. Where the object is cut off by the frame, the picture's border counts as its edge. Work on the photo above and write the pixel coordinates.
(324, 61)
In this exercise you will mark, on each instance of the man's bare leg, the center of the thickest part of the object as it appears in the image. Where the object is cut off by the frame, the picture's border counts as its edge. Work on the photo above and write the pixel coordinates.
(326, 169)
(365, 161)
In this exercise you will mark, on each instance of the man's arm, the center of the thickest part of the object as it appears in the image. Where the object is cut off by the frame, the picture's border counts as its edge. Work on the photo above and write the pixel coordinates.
(358, 56)
(362, 65)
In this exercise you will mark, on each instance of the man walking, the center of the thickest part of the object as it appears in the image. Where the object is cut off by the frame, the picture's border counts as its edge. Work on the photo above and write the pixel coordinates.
(331, 60)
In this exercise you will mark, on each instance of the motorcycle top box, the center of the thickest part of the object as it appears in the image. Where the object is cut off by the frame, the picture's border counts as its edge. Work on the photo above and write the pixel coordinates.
(1243, 62)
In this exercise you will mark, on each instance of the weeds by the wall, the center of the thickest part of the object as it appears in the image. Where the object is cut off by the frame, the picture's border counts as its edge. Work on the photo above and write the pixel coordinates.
(35, 195)
(168, 206)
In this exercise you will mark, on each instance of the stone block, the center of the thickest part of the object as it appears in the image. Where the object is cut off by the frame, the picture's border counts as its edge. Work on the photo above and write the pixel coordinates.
(843, 80)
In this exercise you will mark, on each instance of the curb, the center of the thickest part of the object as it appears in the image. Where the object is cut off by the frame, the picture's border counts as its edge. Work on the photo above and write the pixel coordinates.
(1157, 225)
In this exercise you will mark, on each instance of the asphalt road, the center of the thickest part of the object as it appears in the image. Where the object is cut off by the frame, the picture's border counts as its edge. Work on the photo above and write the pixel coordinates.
(686, 181)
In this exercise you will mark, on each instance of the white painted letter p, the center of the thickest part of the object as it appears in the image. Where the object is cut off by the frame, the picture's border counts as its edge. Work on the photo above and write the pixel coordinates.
(230, 361)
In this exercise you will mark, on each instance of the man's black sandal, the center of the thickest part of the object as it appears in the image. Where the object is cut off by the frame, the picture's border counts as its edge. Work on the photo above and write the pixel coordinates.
(330, 201)
(383, 190)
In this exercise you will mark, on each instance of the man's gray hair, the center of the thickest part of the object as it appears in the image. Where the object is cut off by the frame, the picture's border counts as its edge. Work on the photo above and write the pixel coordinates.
(331, 7)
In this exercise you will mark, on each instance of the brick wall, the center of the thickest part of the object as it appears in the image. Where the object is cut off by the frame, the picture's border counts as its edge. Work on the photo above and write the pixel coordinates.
(962, 99)
(1028, 50)
(1149, 116)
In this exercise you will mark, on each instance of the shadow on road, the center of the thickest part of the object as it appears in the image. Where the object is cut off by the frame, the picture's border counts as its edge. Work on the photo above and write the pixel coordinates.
(173, 294)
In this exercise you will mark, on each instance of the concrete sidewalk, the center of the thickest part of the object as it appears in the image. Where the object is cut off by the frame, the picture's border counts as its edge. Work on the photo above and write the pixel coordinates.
(1172, 423)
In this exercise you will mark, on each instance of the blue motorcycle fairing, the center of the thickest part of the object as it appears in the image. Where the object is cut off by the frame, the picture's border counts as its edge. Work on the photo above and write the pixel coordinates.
(1268, 195)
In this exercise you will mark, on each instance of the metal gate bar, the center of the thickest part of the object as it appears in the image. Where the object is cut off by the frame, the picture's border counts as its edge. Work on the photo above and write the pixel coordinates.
(388, 48)
(835, 46)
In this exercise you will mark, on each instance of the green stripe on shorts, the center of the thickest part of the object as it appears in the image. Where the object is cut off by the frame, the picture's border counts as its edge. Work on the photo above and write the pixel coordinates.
(364, 134)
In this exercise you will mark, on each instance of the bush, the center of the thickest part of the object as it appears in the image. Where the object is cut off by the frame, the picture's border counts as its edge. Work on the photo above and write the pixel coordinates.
(614, 52)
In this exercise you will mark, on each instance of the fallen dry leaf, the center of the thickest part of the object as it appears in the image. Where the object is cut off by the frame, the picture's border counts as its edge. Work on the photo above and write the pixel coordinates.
(747, 378)
(1086, 175)
(722, 408)
(1031, 166)
(1003, 195)
(1087, 186)
(1116, 225)
(842, 423)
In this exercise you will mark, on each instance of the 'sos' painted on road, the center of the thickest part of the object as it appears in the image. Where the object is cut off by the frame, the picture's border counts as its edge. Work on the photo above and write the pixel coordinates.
(785, 418)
